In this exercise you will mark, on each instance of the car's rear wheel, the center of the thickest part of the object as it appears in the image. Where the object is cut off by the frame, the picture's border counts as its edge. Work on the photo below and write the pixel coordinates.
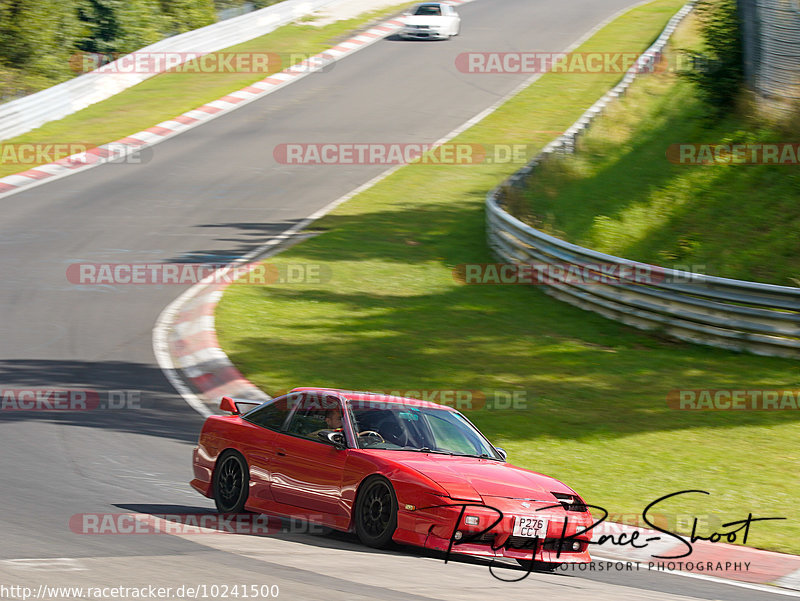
(231, 482)
(538, 566)
(376, 513)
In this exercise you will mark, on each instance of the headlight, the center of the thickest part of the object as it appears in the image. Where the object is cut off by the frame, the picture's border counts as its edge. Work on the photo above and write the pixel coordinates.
(570, 502)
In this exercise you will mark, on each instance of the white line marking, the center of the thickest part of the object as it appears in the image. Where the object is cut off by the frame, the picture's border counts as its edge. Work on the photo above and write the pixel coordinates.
(790, 580)
(64, 564)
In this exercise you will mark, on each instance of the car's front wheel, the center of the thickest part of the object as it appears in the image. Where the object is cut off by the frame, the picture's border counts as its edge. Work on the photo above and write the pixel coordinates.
(376, 513)
(231, 482)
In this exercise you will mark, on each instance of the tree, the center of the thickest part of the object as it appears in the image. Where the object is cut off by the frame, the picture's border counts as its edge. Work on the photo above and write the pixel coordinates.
(38, 36)
(121, 26)
(719, 68)
(185, 15)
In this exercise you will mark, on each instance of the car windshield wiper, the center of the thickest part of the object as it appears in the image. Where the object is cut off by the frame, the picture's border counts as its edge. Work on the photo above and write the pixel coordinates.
(451, 453)
(429, 450)
(477, 456)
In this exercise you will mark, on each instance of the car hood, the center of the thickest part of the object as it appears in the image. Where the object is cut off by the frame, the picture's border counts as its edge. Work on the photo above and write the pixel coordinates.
(474, 479)
(424, 20)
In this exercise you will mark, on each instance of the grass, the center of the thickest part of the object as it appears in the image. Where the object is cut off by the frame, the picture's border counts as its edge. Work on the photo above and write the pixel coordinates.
(393, 317)
(170, 94)
(622, 196)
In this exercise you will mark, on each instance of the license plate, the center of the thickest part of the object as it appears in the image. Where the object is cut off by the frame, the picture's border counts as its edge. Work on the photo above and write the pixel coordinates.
(530, 527)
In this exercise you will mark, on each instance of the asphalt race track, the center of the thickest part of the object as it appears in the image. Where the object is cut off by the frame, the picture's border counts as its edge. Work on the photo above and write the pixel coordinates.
(208, 195)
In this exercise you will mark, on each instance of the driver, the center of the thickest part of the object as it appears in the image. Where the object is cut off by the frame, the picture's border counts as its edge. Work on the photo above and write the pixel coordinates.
(333, 421)
(333, 418)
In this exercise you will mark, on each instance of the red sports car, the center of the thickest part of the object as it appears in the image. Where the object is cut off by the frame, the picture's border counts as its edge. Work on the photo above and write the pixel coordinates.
(390, 469)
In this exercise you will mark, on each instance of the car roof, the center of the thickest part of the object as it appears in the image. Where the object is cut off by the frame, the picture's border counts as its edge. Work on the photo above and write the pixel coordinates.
(355, 395)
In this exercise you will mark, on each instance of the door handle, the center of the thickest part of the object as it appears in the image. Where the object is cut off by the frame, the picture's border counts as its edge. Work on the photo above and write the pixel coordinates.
(280, 452)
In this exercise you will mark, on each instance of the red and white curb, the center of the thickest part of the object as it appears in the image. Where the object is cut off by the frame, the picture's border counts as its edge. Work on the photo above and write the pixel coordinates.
(195, 350)
(710, 561)
(116, 151)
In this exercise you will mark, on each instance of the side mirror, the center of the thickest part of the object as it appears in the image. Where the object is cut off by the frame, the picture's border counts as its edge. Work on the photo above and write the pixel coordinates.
(502, 452)
(228, 405)
(335, 438)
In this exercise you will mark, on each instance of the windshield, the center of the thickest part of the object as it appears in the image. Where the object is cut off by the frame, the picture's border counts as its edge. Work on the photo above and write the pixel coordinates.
(428, 10)
(401, 427)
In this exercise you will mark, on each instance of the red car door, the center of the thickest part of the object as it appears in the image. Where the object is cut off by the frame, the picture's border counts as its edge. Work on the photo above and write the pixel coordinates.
(260, 428)
(306, 471)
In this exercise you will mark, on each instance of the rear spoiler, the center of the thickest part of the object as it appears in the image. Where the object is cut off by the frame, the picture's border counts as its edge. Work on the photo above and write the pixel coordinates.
(231, 405)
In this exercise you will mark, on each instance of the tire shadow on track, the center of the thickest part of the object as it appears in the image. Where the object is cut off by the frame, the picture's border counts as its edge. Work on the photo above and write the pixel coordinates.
(288, 530)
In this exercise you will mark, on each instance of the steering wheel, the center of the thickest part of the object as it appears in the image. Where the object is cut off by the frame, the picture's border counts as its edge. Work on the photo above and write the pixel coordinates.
(394, 432)
(367, 433)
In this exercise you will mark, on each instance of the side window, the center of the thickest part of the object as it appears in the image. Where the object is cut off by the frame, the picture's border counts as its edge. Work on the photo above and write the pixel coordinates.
(272, 415)
(314, 415)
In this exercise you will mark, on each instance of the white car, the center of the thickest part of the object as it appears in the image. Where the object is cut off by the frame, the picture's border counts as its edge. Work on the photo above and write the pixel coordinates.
(431, 21)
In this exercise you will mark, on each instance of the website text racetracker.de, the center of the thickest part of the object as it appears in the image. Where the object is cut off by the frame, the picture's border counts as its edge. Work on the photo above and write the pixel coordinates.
(149, 591)
(461, 400)
(62, 399)
(160, 274)
(573, 273)
(401, 153)
(149, 62)
(71, 154)
(567, 62)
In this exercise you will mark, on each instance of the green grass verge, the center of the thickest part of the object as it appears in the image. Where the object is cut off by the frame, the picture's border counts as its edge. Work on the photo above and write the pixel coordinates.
(170, 94)
(622, 196)
(393, 317)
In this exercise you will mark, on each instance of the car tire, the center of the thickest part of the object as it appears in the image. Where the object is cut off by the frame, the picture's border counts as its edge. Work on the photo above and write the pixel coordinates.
(376, 513)
(231, 483)
(538, 566)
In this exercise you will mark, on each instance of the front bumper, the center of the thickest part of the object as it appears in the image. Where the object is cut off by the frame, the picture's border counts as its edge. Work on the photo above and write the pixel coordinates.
(423, 34)
(433, 528)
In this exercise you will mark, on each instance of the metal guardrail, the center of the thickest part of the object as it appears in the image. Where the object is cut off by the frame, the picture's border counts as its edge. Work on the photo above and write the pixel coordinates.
(30, 112)
(732, 314)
